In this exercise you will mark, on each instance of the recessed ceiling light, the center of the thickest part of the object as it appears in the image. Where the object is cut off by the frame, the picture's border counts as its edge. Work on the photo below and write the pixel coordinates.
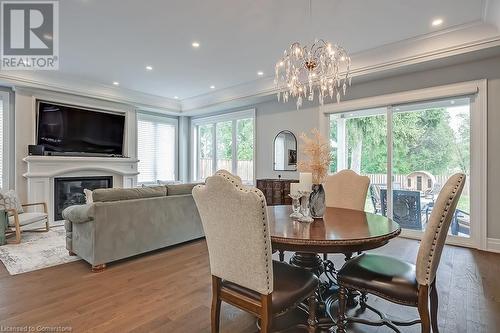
(116, 83)
(176, 97)
(149, 68)
(212, 87)
(195, 45)
(437, 22)
(260, 73)
(452, 102)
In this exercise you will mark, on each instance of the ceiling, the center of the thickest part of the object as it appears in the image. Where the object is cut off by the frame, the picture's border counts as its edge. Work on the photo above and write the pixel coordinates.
(114, 40)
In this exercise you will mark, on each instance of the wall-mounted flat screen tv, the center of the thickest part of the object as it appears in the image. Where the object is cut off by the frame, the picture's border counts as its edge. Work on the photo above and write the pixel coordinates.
(72, 130)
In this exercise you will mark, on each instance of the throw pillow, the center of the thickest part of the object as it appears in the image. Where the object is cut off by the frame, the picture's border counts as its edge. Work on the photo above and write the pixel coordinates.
(88, 196)
(9, 200)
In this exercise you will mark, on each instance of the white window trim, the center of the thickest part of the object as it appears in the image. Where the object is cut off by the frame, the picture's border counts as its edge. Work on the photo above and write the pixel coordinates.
(234, 117)
(165, 120)
(479, 139)
(7, 142)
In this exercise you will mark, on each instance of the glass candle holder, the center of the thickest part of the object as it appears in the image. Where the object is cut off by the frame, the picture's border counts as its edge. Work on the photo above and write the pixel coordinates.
(305, 209)
(295, 206)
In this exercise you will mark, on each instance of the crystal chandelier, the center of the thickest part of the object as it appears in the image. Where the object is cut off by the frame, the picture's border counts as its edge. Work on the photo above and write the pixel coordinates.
(322, 69)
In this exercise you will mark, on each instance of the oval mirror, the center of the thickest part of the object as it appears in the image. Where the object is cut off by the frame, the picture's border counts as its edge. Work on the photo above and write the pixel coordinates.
(285, 152)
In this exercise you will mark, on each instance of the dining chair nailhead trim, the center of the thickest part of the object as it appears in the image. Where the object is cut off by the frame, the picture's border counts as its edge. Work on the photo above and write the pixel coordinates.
(438, 229)
(263, 206)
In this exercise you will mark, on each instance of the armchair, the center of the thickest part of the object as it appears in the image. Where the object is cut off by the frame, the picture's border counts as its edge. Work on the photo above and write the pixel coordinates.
(18, 217)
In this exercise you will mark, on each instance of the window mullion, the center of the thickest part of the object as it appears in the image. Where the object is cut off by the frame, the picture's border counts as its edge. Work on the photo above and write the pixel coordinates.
(214, 145)
(390, 147)
(234, 148)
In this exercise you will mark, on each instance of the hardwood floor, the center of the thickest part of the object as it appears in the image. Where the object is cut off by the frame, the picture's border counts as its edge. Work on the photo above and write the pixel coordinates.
(169, 291)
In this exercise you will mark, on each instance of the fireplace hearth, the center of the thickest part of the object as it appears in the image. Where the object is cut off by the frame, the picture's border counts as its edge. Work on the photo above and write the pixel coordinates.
(68, 191)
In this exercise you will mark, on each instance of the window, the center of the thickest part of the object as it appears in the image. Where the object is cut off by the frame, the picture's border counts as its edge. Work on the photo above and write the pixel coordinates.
(4, 141)
(156, 148)
(224, 142)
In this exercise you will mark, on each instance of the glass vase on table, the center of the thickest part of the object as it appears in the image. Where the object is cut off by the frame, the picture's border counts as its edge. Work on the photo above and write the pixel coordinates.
(295, 205)
(305, 209)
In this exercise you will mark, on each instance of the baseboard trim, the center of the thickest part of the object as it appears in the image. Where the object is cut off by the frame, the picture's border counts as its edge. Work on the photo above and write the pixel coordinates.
(493, 245)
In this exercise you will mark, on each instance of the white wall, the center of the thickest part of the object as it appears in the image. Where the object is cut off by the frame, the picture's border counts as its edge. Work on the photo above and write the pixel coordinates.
(25, 125)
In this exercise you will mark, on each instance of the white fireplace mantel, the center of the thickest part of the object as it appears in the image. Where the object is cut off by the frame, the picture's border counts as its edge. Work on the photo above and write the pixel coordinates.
(41, 171)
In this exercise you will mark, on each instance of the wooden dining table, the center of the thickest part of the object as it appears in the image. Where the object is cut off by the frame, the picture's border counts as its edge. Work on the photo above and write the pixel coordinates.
(341, 231)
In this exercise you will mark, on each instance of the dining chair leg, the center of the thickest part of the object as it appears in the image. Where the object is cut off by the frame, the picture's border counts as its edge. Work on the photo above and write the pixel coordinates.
(215, 312)
(341, 310)
(266, 314)
(423, 308)
(281, 255)
(434, 307)
(18, 229)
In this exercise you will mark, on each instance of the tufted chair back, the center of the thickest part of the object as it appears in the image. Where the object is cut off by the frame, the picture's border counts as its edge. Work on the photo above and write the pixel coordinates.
(346, 189)
(431, 247)
(235, 222)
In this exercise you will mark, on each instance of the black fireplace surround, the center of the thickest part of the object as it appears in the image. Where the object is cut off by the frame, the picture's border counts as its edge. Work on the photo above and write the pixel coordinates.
(68, 191)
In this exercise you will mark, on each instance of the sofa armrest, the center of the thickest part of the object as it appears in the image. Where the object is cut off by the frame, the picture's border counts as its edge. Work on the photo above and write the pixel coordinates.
(79, 213)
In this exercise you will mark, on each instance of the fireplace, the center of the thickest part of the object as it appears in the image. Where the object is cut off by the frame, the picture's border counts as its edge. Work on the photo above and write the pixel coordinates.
(68, 191)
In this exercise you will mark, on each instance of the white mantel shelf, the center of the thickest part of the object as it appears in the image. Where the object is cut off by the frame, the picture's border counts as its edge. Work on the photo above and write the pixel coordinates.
(51, 166)
(42, 170)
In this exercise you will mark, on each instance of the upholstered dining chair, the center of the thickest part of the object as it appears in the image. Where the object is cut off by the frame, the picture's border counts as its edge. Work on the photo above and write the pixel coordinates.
(401, 282)
(235, 222)
(346, 189)
(18, 217)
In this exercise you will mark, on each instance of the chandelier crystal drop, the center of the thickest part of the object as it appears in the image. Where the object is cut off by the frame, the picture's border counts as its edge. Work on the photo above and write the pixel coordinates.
(322, 69)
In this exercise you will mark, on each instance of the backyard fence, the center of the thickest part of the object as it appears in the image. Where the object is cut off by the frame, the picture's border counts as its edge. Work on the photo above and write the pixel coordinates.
(400, 180)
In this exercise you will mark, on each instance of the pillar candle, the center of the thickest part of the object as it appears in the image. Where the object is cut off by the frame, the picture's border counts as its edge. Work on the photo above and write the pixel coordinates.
(305, 179)
(295, 188)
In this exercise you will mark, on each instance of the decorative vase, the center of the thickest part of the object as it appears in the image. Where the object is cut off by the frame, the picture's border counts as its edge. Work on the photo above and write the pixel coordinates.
(317, 201)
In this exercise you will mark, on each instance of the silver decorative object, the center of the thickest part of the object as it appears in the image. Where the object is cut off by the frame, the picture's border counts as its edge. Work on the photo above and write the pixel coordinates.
(295, 206)
(305, 209)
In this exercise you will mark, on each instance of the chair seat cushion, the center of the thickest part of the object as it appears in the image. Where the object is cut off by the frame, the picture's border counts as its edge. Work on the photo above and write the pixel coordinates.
(28, 218)
(291, 286)
(381, 275)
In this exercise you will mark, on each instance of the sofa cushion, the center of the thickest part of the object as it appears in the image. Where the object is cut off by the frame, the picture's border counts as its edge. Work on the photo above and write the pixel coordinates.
(117, 194)
(180, 189)
(28, 218)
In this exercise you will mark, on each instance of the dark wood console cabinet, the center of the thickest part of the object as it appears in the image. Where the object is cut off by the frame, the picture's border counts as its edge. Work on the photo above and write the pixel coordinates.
(276, 191)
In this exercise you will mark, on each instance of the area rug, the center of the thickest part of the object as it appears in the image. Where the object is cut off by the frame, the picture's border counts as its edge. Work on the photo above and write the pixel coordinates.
(37, 250)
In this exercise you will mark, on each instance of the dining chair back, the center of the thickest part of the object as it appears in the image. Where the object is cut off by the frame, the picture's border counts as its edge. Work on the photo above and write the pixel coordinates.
(346, 189)
(433, 240)
(234, 219)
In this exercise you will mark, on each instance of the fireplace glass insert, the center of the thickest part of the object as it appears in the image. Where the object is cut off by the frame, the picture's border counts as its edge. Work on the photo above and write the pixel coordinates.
(68, 191)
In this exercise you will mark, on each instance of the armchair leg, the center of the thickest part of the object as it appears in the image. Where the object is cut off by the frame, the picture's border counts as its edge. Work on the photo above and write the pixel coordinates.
(434, 307)
(423, 309)
(215, 312)
(18, 229)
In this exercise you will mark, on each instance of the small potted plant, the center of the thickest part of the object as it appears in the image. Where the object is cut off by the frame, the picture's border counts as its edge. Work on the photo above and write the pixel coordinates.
(317, 151)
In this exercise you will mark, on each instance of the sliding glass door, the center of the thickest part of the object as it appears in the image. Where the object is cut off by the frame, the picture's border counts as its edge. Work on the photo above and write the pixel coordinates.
(408, 152)
(431, 142)
(359, 143)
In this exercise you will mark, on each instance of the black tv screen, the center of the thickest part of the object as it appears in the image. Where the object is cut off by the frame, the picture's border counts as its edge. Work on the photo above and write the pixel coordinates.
(74, 130)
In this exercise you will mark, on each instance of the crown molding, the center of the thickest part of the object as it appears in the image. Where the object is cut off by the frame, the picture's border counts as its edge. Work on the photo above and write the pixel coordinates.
(440, 46)
(78, 87)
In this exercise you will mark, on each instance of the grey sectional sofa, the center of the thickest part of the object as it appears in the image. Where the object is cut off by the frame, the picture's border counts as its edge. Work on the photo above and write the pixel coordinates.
(121, 223)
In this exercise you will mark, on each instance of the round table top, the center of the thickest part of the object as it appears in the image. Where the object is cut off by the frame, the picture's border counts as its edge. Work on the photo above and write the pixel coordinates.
(339, 231)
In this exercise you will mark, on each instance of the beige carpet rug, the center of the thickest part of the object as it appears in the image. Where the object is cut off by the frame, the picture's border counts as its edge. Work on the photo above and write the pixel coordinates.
(37, 250)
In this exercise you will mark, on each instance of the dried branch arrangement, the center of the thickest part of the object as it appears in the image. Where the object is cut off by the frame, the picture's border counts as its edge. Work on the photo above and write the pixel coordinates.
(317, 149)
